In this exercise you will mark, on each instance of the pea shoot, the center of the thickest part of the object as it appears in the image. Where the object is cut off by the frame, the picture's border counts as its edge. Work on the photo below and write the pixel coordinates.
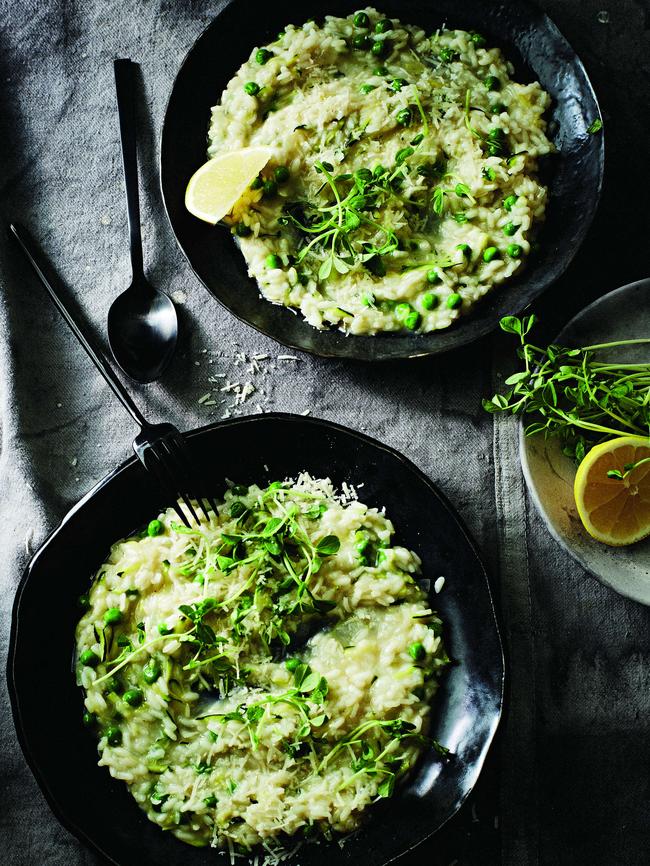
(573, 395)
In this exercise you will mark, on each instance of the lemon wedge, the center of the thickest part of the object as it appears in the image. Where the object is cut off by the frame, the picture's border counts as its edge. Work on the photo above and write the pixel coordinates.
(218, 185)
(615, 510)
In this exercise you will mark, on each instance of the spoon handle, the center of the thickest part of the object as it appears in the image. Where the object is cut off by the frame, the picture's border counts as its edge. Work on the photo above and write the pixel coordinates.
(97, 358)
(125, 87)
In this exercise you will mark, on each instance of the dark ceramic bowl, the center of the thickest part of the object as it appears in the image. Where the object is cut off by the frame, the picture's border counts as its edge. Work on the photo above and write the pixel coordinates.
(529, 39)
(63, 756)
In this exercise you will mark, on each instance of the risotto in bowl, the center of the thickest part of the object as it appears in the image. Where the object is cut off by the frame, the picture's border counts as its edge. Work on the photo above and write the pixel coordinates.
(403, 183)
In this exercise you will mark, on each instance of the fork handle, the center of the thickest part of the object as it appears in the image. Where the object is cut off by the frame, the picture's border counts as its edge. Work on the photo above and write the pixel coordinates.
(125, 89)
(98, 358)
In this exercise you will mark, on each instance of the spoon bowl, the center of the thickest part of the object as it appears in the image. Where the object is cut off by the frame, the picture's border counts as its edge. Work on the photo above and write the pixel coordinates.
(142, 331)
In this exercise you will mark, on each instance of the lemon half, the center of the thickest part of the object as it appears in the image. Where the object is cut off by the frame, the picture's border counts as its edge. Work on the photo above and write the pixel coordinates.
(218, 185)
(615, 511)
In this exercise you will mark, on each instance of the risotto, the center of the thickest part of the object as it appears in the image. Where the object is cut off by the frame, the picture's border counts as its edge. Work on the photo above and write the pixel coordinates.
(265, 675)
(403, 184)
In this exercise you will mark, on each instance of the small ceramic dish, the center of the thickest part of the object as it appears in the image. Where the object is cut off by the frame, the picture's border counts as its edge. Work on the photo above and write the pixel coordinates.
(620, 315)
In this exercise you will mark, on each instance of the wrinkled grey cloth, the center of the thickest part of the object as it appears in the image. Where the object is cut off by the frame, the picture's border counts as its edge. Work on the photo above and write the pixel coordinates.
(566, 782)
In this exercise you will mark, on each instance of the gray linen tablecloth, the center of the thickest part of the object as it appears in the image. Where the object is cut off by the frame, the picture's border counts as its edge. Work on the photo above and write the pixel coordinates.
(566, 781)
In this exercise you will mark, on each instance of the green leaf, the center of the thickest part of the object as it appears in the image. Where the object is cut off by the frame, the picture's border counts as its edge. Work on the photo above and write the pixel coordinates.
(595, 126)
(511, 325)
(325, 269)
(328, 546)
(517, 377)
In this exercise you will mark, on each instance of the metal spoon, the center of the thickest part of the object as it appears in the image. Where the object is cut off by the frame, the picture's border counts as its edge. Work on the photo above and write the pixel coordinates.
(142, 322)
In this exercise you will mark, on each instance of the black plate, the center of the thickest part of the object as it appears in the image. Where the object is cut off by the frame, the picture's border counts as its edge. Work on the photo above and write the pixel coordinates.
(63, 756)
(530, 40)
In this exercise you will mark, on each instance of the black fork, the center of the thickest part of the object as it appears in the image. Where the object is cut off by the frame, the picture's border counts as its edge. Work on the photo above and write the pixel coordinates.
(161, 448)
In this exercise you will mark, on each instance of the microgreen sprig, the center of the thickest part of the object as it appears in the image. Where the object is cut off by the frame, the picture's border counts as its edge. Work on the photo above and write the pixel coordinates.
(566, 392)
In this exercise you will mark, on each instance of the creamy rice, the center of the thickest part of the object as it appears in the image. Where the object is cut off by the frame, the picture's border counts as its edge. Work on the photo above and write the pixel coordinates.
(431, 145)
(295, 699)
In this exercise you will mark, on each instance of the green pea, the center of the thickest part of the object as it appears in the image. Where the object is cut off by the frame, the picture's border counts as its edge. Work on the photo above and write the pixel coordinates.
(164, 629)
(367, 88)
(509, 229)
(84, 601)
(210, 801)
(292, 664)
(433, 276)
(361, 41)
(151, 671)
(89, 719)
(155, 527)
(89, 659)
(465, 249)
(478, 39)
(384, 25)
(281, 174)
(514, 251)
(509, 202)
(380, 47)
(490, 253)
(257, 183)
(403, 154)
(378, 170)
(112, 616)
(397, 84)
(361, 20)
(133, 697)
(430, 301)
(263, 55)
(270, 187)
(496, 134)
(403, 116)
(252, 88)
(497, 108)
(402, 311)
(454, 301)
(417, 651)
(413, 320)
(113, 735)
(492, 83)
(380, 70)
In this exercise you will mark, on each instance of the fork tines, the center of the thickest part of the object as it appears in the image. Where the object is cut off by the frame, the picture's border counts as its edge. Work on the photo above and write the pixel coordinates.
(164, 452)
